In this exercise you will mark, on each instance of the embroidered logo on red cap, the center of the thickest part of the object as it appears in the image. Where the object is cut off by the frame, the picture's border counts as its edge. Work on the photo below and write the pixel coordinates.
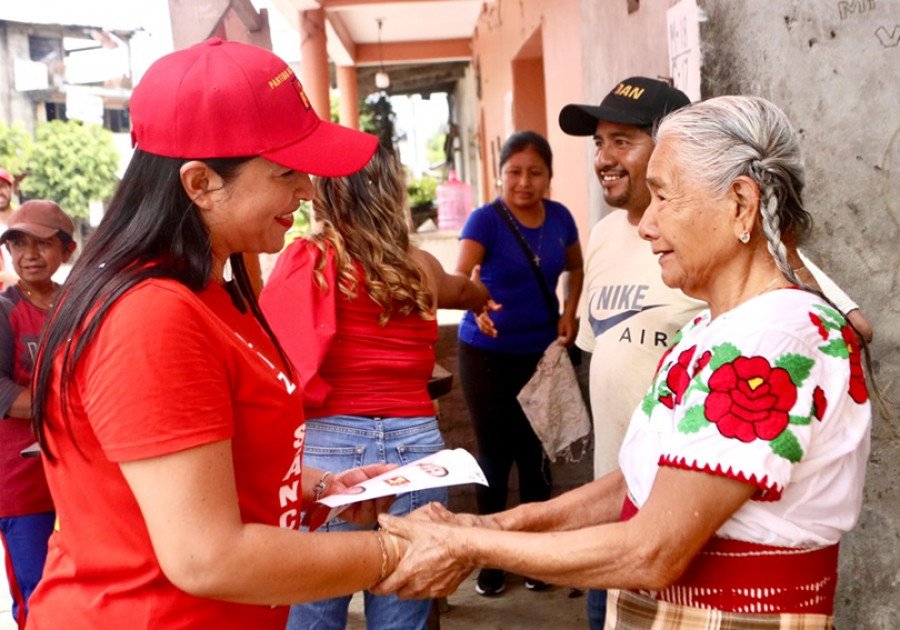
(302, 94)
(282, 76)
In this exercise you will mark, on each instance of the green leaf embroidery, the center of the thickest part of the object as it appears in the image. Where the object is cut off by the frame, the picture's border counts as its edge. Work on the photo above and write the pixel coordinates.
(696, 385)
(797, 365)
(836, 348)
(722, 354)
(800, 419)
(787, 446)
(693, 420)
(832, 319)
(649, 403)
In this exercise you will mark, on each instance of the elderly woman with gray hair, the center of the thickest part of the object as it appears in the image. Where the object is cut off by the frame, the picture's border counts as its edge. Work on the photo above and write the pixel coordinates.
(745, 463)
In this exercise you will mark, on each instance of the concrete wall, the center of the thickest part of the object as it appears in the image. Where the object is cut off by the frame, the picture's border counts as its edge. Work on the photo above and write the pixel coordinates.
(15, 106)
(834, 67)
(507, 34)
(617, 45)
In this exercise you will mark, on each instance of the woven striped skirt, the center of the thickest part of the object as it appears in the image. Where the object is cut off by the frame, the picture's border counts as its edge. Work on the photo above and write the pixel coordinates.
(628, 610)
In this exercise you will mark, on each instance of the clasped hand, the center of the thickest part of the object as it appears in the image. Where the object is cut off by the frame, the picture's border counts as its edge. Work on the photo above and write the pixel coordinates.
(436, 558)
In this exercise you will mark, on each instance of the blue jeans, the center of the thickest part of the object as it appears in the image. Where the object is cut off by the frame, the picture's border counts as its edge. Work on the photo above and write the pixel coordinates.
(337, 443)
(25, 540)
(596, 609)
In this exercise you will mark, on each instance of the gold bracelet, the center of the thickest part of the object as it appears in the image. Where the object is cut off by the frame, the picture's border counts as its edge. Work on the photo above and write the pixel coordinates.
(395, 541)
(384, 557)
(320, 487)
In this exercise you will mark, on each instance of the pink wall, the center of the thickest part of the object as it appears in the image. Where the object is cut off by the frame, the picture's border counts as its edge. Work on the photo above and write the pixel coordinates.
(508, 36)
(529, 98)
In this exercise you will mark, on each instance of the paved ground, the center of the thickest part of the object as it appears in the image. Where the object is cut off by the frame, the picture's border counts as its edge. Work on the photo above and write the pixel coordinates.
(516, 608)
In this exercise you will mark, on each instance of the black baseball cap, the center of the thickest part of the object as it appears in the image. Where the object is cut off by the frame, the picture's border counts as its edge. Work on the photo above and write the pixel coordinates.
(637, 101)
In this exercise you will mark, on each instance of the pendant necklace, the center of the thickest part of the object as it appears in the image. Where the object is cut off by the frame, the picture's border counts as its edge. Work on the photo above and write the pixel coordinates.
(31, 295)
(536, 253)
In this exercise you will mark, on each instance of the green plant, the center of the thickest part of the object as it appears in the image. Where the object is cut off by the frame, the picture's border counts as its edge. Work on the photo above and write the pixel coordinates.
(15, 144)
(72, 164)
(422, 191)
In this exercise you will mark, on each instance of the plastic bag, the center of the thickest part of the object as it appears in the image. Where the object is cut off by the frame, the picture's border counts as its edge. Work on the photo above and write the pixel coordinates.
(554, 406)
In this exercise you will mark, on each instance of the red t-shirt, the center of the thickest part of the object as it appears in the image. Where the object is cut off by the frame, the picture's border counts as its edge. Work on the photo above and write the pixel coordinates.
(348, 363)
(168, 370)
(23, 489)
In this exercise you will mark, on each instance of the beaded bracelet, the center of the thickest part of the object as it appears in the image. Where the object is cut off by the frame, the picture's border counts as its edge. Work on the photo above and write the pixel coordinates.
(319, 488)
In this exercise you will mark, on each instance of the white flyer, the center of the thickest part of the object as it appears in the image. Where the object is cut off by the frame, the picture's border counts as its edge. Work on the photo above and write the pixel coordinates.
(444, 468)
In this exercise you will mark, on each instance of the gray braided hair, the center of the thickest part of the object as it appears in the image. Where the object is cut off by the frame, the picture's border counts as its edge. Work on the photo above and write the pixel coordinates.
(728, 136)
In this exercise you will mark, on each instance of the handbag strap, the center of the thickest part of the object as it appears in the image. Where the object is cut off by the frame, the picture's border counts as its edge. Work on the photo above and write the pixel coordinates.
(507, 217)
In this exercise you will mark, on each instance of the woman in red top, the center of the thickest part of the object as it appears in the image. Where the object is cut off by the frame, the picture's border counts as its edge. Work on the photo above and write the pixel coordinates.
(354, 307)
(171, 422)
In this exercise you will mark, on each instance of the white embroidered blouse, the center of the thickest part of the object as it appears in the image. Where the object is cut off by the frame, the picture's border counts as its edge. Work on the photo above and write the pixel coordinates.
(771, 393)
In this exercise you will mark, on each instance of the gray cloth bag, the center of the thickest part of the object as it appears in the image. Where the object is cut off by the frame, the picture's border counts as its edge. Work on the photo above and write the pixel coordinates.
(554, 406)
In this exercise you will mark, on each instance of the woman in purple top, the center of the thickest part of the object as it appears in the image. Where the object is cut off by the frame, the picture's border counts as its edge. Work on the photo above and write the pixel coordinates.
(513, 238)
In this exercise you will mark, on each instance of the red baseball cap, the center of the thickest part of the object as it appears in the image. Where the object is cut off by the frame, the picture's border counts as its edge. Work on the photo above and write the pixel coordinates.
(221, 99)
(7, 177)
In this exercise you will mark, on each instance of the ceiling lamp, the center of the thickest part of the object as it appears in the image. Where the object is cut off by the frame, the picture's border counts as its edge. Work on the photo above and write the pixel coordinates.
(382, 80)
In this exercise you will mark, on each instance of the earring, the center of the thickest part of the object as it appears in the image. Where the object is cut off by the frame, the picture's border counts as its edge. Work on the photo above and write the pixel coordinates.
(744, 237)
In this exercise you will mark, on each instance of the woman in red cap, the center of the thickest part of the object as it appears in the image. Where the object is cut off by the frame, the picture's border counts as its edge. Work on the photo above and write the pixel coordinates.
(170, 419)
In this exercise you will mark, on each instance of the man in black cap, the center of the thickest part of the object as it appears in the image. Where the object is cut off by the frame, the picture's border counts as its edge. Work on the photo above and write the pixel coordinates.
(629, 315)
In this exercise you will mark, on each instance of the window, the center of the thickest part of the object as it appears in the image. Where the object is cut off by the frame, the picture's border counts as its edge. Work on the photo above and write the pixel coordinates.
(117, 120)
(55, 111)
(44, 49)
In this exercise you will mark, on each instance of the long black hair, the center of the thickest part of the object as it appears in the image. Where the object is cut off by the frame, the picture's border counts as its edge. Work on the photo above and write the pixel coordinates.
(150, 230)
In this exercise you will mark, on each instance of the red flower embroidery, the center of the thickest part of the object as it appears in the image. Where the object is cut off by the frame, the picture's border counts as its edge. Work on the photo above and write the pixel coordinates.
(678, 378)
(750, 399)
(702, 362)
(817, 322)
(820, 404)
(667, 401)
(858, 390)
(663, 358)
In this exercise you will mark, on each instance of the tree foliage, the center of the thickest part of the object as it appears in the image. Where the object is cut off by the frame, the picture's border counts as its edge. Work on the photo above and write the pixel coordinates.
(15, 144)
(376, 115)
(73, 164)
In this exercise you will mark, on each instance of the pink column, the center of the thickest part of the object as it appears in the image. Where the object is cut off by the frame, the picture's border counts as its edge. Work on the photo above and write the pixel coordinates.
(314, 62)
(349, 104)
